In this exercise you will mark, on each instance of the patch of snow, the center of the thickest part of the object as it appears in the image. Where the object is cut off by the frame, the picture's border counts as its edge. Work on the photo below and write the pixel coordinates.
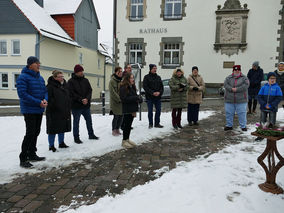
(12, 132)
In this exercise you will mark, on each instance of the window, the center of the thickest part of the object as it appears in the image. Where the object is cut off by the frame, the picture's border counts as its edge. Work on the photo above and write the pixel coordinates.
(3, 47)
(99, 63)
(4, 80)
(136, 10)
(15, 77)
(135, 51)
(16, 49)
(171, 54)
(173, 9)
(80, 58)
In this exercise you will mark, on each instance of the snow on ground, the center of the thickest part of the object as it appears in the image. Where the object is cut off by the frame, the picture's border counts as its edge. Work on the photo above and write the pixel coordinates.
(224, 182)
(13, 129)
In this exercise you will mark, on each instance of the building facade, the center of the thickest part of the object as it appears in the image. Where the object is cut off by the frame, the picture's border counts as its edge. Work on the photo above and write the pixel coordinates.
(213, 35)
(59, 34)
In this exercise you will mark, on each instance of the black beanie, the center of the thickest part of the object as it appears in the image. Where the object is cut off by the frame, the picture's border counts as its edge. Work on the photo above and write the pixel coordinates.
(151, 66)
(31, 60)
(194, 68)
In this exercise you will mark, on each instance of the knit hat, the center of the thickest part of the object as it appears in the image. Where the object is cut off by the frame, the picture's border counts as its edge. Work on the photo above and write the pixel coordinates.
(282, 62)
(78, 68)
(151, 66)
(31, 60)
(194, 68)
(237, 67)
(256, 64)
(270, 74)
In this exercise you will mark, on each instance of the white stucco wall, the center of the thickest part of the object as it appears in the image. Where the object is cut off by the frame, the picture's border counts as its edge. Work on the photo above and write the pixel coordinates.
(197, 30)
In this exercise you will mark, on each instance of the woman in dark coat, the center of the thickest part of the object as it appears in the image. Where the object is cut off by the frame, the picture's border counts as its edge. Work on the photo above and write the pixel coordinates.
(58, 112)
(130, 100)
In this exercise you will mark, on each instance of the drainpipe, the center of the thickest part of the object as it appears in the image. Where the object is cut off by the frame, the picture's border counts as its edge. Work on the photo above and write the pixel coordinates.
(37, 45)
(114, 33)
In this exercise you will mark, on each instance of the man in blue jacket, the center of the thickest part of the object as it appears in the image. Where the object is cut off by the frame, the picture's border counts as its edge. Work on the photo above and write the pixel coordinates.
(33, 95)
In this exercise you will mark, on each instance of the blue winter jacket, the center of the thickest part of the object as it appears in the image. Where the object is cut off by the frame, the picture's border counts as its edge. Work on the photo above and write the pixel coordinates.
(31, 91)
(271, 95)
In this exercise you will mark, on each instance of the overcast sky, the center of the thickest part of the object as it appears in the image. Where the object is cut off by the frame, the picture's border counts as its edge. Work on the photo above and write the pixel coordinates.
(104, 9)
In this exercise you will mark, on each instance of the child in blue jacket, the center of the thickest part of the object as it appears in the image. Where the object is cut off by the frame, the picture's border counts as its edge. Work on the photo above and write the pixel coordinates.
(269, 97)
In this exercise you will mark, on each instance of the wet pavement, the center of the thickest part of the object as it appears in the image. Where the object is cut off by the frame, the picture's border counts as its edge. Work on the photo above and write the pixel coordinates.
(91, 179)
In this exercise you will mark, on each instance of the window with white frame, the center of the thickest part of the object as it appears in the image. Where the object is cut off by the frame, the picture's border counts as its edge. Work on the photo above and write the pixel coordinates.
(15, 77)
(171, 54)
(4, 80)
(3, 47)
(173, 9)
(136, 10)
(135, 53)
(16, 47)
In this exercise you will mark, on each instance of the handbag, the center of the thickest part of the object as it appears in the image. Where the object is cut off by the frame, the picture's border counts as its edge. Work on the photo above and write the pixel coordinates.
(198, 85)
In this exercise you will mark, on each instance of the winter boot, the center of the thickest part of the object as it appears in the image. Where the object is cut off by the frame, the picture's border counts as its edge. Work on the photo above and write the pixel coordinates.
(52, 148)
(93, 137)
(77, 140)
(63, 145)
(175, 126)
(118, 132)
(132, 143)
(36, 158)
(126, 144)
(114, 133)
(26, 164)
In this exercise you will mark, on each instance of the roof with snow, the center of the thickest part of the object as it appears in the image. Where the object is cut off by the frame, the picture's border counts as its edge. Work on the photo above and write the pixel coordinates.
(43, 22)
(61, 6)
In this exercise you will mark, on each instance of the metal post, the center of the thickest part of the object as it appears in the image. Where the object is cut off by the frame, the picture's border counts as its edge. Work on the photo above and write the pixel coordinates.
(140, 105)
(103, 102)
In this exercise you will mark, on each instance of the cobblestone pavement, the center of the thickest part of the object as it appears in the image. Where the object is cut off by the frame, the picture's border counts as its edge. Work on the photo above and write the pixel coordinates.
(91, 179)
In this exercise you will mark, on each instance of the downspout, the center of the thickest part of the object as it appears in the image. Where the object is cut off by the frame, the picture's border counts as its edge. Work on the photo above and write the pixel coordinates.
(37, 45)
(114, 34)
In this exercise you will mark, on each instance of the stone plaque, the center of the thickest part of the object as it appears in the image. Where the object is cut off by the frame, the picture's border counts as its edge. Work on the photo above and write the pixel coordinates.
(231, 30)
(231, 27)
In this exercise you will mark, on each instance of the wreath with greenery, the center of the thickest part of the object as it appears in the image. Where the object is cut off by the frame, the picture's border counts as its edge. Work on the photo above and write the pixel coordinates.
(276, 131)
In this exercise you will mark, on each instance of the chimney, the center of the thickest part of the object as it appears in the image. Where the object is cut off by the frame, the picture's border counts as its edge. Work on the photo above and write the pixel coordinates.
(39, 2)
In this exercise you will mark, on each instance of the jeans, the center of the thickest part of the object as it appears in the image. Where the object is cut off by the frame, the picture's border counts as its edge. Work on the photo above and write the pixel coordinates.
(116, 121)
(272, 117)
(241, 110)
(51, 138)
(176, 116)
(33, 123)
(76, 120)
(128, 119)
(157, 104)
(192, 112)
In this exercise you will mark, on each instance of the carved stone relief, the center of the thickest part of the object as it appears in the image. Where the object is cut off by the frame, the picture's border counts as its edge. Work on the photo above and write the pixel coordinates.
(231, 27)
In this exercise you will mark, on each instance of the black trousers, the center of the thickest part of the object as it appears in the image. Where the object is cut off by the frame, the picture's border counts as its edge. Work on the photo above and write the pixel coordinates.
(192, 112)
(33, 123)
(116, 121)
(128, 119)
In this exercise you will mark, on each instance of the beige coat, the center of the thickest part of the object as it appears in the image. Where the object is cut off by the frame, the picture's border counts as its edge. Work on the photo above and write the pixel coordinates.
(195, 97)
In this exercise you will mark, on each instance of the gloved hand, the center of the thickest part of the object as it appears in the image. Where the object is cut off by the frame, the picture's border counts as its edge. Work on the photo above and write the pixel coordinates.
(195, 89)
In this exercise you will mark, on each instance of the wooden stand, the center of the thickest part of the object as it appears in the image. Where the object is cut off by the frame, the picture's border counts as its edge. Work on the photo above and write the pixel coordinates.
(271, 169)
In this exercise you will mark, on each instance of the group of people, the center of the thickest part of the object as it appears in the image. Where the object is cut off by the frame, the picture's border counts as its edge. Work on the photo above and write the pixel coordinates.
(60, 98)
(124, 99)
(242, 92)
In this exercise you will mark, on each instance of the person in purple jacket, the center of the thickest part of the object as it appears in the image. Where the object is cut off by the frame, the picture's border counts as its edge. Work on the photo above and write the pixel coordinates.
(33, 100)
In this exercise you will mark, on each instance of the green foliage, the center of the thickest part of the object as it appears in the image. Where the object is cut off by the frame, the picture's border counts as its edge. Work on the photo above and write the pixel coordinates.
(269, 132)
